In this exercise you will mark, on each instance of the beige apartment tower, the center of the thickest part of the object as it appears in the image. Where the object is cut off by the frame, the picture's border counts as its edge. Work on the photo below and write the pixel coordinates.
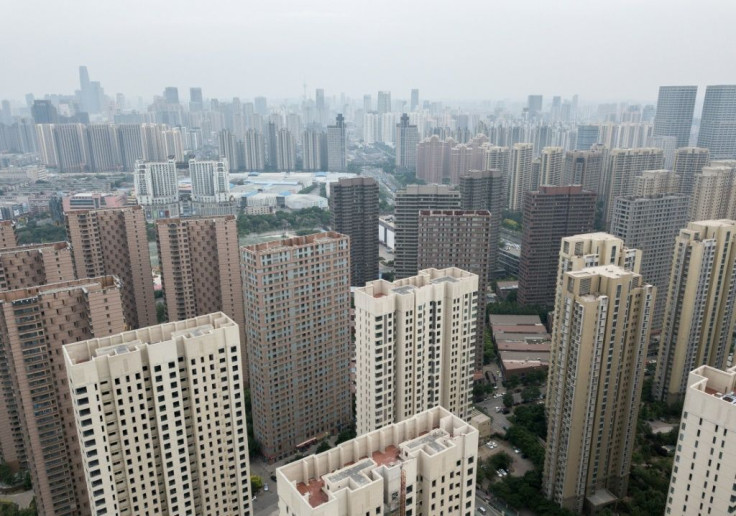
(200, 270)
(689, 162)
(35, 264)
(521, 174)
(113, 241)
(297, 302)
(699, 316)
(7, 234)
(37, 427)
(714, 193)
(425, 465)
(462, 239)
(655, 182)
(594, 386)
(415, 346)
(160, 417)
(622, 166)
(704, 469)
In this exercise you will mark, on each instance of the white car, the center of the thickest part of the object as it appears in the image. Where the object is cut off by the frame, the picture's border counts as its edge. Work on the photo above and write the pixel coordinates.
(265, 487)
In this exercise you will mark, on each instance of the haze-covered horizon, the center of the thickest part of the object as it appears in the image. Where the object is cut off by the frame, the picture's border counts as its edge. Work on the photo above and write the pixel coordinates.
(476, 51)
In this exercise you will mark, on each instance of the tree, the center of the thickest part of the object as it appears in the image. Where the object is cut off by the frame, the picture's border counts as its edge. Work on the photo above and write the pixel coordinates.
(323, 447)
(345, 435)
(532, 418)
(256, 484)
(508, 400)
(161, 315)
(530, 393)
(500, 461)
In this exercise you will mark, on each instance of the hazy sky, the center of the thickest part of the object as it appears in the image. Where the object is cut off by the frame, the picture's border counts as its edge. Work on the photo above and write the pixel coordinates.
(474, 49)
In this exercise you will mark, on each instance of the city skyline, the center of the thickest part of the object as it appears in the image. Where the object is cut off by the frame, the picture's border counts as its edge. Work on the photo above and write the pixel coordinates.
(241, 30)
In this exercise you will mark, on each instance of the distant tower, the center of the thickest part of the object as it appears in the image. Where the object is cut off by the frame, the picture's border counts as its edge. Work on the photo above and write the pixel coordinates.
(534, 105)
(587, 137)
(414, 100)
(689, 162)
(407, 138)
(674, 116)
(486, 190)
(171, 95)
(384, 102)
(367, 104)
(337, 146)
(718, 122)
(320, 105)
(585, 167)
(552, 165)
(622, 167)
(521, 174)
(196, 102)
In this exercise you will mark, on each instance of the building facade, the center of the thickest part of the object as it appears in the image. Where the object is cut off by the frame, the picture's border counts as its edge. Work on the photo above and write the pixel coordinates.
(161, 432)
(354, 212)
(486, 190)
(594, 386)
(114, 241)
(622, 167)
(35, 264)
(689, 162)
(297, 302)
(718, 121)
(407, 138)
(157, 188)
(674, 115)
(210, 180)
(699, 316)
(337, 154)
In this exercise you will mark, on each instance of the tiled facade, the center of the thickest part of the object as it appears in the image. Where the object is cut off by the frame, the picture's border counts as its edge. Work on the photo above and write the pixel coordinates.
(35, 264)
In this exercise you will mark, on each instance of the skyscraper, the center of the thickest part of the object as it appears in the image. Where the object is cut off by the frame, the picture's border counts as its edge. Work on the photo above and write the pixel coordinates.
(521, 174)
(210, 181)
(285, 150)
(313, 143)
(35, 264)
(337, 159)
(423, 465)
(113, 241)
(384, 102)
(408, 204)
(651, 224)
(534, 106)
(462, 239)
(714, 193)
(414, 100)
(319, 99)
(72, 147)
(407, 138)
(552, 166)
(674, 116)
(171, 95)
(551, 213)
(415, 341)
(130, 138)
(196, 102)
(160, 431)
(718, 122)
(689, 162)
(702, 479)
(104, 148)
(44, 112)
(699, 316)
(157, 188)
(433, 160)
(297, 302)
(254, 153)
(594, 389)
(585, 167)
(354, 212)
(35, 323)
(622, 167)
(486, 190)
(587, 136)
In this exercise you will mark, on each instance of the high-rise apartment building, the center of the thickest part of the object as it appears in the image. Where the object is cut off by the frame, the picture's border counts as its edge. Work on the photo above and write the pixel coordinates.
(160, 418)
(254, 153)
(718, 121)
(7, 234)
(210, 180)
(200, 269)
(421, 466)
(714, 193)
(534, 106)
(337, 157)
(104, 148)
(319, 101)
(654, 182)
(521, 174)
(285, 150)
(550, 214)
(486, 190)
(587, 136)
(622, 166)
(594, 387)
(497, 158)
(415, 346)
(383, 102)
(35, 264)
(72, 147)
(651, 224)
(409, 202)
(551, 172)
(674, 116)
(313, 145)
(38, 417)
(130, 137)
(414, 105)
(407, 138)
(113, 241)
(433, 156)
(196, 101)
(297, 302)
(462, 239)
(689, 162)
(157, 188)
(702, 476)
(699, 316)
(354, 212)
(668, 144)
(585, 167)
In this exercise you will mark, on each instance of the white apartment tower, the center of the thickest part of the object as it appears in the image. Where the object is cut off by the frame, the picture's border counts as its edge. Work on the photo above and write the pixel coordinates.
(521, 174)
(157, 188)
(704, 468)
(160, 417)
(425, 465)
(210, 180)
(552, 166)
(415, 346)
